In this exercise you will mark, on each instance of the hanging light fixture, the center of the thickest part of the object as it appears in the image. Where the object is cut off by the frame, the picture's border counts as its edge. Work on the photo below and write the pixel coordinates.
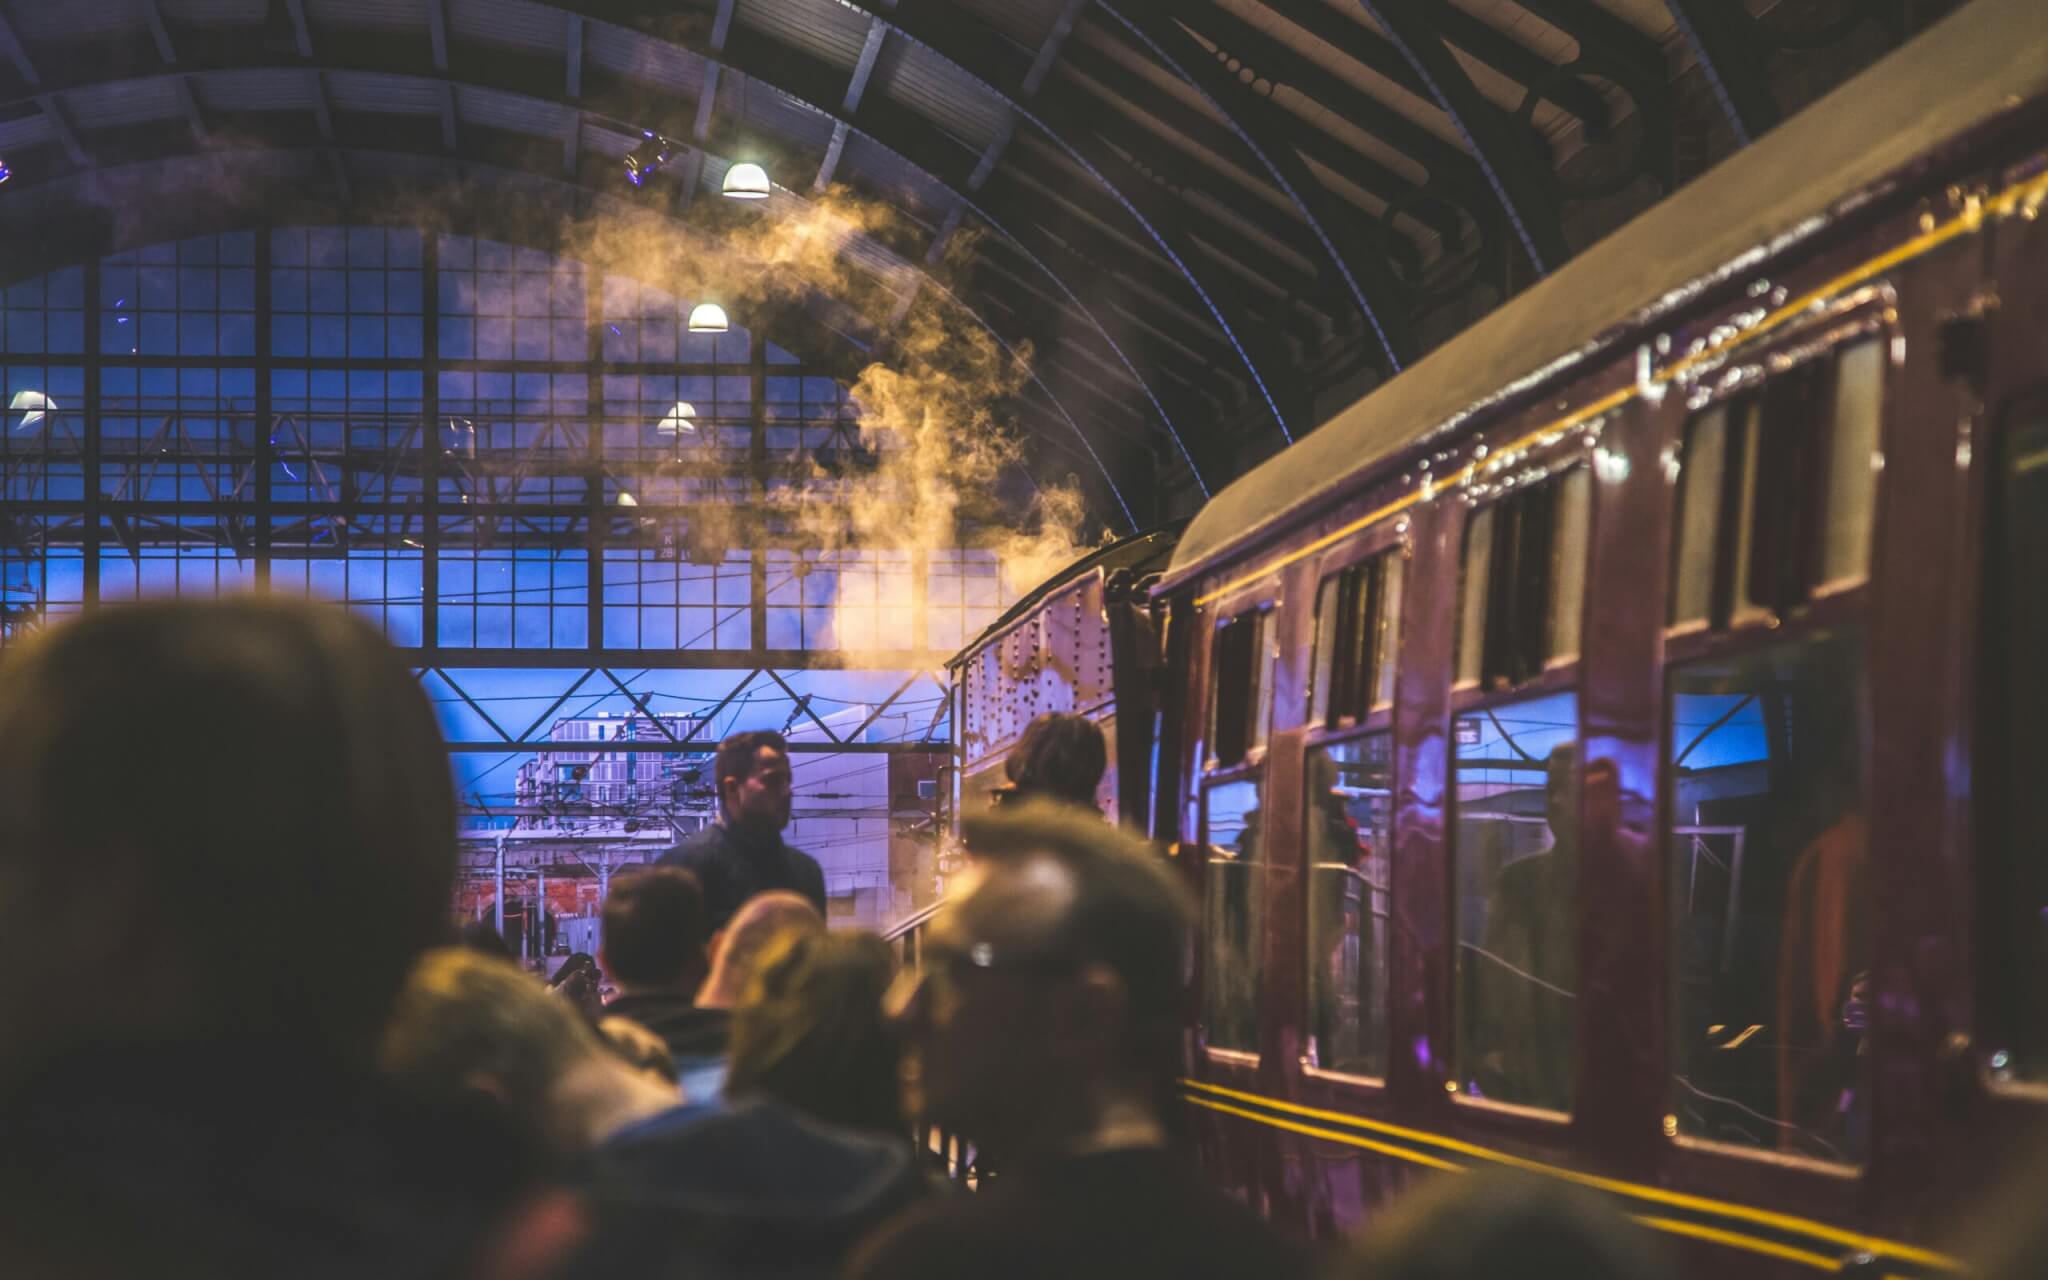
(627, 499)
(746, 181)
(709, 317)
(681, 418)
(649, 156)
(33, 406)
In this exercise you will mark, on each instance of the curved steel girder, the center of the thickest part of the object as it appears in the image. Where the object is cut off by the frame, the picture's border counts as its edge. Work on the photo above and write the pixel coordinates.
(1098, 237)
(1171, 245)
(1369, 173)
(1475, 36)
(466, 170)
(1723, 40)
(1524, 187)
(1169, 392)
(1099, 252)
(1364, 273)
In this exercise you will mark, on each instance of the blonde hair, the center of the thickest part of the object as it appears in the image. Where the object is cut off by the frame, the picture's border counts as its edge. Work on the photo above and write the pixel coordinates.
(809, 1031)
(464, 1020)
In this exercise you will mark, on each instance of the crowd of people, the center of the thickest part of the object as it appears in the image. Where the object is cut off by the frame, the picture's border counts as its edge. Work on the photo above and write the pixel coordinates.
(243, 1039)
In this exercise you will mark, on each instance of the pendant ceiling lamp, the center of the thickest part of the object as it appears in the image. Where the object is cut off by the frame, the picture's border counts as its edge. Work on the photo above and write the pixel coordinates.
(746, 181)
(709, 317)
(681, 418)
(33, 406)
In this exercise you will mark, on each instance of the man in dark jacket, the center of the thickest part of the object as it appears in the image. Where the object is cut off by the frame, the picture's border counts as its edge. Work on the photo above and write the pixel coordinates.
(1043, 1026)
(744, 854)
(656, 949)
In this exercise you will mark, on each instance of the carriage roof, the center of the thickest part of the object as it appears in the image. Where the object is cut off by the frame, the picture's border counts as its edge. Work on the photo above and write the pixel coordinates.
(1981, 62)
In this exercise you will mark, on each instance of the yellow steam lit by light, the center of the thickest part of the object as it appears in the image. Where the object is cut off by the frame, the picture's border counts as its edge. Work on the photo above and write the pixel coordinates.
(746, 181)
(709, 317)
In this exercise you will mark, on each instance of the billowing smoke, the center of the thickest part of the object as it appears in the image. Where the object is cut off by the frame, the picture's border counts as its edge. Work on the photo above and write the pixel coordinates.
(936, 461)
(933, 460)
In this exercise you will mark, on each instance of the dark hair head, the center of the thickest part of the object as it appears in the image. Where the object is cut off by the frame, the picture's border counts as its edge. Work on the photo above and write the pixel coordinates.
(482, 936)
(738, 754)
(656, 929)
(1475, 1226)
(201, 806)
(809, 1031)
(1060, 757)
(1128, 914)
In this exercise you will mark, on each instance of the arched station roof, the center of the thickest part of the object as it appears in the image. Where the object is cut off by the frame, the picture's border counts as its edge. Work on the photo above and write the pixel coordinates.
(1198, 213)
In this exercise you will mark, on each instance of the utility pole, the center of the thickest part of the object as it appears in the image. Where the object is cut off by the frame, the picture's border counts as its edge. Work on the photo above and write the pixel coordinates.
(498, 906)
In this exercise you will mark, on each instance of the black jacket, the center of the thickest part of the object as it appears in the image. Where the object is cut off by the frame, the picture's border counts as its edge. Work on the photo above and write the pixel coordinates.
(733, 866)
(689, 1032)
(245, 1161)
(754, 1190)
(1119, 1215)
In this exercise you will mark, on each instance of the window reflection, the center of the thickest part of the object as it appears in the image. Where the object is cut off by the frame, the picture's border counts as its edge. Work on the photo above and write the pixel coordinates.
(1768, 882)
(1233, 908)
(1515, 888)
(1350, 819)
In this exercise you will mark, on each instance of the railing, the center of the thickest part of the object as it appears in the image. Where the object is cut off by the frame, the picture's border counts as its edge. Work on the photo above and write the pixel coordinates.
(907, 934)
(953, 1155)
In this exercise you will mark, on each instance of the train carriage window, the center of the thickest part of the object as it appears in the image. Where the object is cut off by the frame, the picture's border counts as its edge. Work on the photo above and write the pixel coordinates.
(1514, 901)
(1699, 514)
(1524, 577)
(1234, 912)
(1769, 901)
(1853, 462)
(1241, 688)
(1350, 821)
(1776, 491)
(2014, 756)
(1235, 860)
(1357, 619)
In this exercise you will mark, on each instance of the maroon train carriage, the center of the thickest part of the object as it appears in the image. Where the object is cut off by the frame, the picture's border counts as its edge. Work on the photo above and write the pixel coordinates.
(1607, 748)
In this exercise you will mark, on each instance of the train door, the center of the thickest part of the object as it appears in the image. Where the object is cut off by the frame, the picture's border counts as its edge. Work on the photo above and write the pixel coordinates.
(1780, 798)
(1230, 852)
(1997, 1072)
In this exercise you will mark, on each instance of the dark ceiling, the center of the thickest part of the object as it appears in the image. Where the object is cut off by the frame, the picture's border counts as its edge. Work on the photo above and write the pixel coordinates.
(1213, 220)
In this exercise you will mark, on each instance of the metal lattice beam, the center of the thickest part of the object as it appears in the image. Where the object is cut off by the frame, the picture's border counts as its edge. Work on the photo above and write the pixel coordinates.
(1723, 40)
(1260, 124)
(947, 35)
(1521, 181)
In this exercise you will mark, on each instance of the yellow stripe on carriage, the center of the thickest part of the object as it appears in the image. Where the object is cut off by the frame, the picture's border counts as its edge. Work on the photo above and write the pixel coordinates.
(1761, 1217)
